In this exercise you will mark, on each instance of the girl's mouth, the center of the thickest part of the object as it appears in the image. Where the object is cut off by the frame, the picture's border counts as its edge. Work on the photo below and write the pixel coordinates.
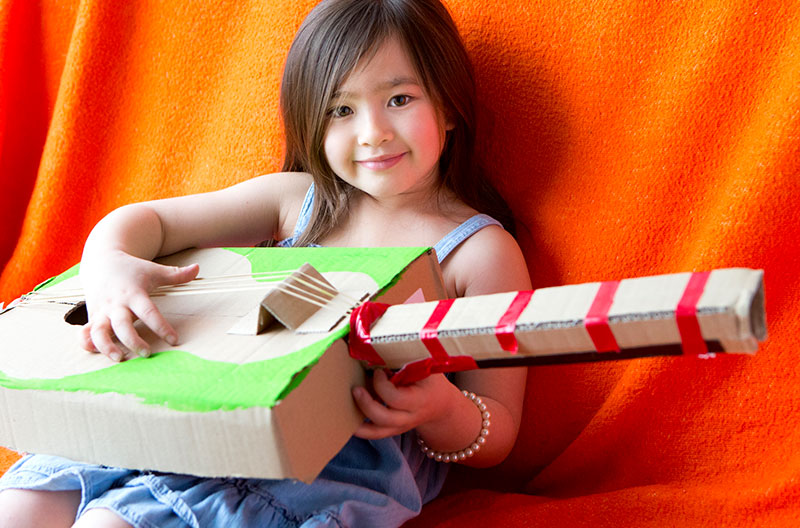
(379, 163)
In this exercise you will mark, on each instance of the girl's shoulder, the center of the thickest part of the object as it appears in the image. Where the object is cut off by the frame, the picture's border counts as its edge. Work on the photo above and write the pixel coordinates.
(281, 192)
(247, 213)
(489, 261)
(291, 183)
(277, 188)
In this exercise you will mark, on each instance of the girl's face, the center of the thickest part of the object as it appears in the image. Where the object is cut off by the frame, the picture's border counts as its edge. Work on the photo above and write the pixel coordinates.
(385, 135)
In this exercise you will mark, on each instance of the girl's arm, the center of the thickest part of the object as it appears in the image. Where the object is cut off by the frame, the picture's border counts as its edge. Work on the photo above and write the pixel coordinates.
(489, 262)
(116, 269)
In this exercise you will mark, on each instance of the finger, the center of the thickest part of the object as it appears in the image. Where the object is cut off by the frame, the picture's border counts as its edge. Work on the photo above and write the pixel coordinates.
(170, 275)
(122, 324)
(103, 342)
(370, 431)
(394, 397)
(379, 414)
(85, 339)
(143, 308)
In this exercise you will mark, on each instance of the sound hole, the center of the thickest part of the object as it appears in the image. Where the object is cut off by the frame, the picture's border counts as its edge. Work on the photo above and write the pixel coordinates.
(77, 315)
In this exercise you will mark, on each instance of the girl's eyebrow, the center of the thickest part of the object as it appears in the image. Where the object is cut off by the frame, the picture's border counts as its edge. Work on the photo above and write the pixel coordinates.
(397, 81)
(387, 85)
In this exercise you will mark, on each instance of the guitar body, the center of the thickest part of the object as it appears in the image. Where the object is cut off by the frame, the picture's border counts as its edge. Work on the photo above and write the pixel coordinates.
(268, 404)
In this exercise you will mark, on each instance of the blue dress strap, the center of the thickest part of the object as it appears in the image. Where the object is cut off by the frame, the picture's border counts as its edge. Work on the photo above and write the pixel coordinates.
(305, 213)
(443, 248)
(455, 237)
(302, 219)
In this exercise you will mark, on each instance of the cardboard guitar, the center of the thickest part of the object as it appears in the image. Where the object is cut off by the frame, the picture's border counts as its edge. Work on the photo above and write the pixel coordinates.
(260, 385)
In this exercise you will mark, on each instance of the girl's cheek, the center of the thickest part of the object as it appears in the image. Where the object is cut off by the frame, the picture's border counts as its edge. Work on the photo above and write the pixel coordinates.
(429, 125)
(332, 148)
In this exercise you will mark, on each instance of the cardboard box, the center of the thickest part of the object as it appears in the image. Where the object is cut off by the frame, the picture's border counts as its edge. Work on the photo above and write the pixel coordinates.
(272, 405)
(641, 314)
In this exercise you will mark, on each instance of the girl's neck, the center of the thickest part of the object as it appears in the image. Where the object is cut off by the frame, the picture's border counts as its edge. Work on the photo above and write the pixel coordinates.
(421, 201)
(404, 220)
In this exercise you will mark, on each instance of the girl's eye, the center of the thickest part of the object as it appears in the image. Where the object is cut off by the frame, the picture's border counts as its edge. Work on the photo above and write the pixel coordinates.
(399, 100)
(340, 111)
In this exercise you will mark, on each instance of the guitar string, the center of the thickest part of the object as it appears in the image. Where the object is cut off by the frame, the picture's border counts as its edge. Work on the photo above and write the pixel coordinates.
(282, 274)
(300, 294)
(313, 293)
(301, 277)
(276, 275)
(213, 284)
(326, 300)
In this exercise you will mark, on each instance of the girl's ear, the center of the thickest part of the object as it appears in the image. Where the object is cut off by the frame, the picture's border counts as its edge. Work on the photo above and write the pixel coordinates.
(449, 123)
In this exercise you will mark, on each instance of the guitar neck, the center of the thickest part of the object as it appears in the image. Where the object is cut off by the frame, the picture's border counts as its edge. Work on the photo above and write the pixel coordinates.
(686, 313)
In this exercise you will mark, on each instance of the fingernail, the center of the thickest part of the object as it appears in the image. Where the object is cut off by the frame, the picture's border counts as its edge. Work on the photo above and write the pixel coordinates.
(172, 339)
(143, 352)
(358, 392)
(116, 356)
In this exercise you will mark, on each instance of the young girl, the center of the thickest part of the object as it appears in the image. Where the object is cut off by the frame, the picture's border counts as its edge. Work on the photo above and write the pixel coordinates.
(378, 108)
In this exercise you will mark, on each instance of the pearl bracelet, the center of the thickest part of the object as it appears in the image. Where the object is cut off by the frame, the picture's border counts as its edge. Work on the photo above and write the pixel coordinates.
(458, 456)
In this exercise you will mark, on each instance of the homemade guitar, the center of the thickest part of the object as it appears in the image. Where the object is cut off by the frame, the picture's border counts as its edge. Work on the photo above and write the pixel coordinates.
(260, 384)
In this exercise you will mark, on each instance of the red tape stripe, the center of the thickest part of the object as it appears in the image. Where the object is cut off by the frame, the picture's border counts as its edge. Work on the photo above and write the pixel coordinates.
(360, 342)
(508, 322)
(596, 320)
(430, 332)
(421, 369)
(686, 315)
(440, 360)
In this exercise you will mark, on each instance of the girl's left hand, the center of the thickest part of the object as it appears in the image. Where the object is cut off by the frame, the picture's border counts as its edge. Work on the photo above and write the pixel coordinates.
(400, 409)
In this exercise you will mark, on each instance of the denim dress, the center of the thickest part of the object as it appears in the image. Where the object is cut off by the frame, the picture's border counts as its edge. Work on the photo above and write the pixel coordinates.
(368, 483)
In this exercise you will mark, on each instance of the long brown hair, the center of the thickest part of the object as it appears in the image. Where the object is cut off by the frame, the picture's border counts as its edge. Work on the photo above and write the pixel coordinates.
(328, 45)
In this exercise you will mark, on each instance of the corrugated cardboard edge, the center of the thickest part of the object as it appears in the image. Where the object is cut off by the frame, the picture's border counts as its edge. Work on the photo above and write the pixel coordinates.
(327, 387)
(306, 411)
(202, 443)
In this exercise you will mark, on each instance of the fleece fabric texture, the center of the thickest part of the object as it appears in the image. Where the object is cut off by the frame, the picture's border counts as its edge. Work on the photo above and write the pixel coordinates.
(630, 138)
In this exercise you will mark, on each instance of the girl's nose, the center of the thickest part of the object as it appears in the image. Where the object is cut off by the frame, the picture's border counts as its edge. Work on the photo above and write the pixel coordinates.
(374, 129)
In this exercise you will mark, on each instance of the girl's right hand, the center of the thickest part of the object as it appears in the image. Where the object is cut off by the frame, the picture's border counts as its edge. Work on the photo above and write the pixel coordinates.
(117, 292)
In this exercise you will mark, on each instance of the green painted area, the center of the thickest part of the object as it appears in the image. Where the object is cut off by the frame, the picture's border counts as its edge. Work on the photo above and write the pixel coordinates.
(52, 281)
(382, 264)
(182, 381)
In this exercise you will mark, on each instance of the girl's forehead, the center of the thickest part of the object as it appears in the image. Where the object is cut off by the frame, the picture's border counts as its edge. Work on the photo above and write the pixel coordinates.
(388, 66)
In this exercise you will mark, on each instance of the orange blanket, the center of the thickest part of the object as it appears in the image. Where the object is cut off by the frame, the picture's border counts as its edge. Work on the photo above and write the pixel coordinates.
(631, 138)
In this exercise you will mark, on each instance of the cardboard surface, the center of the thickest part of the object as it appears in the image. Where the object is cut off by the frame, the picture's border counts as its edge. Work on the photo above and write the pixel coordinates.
(642, 319)
(272, 405)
